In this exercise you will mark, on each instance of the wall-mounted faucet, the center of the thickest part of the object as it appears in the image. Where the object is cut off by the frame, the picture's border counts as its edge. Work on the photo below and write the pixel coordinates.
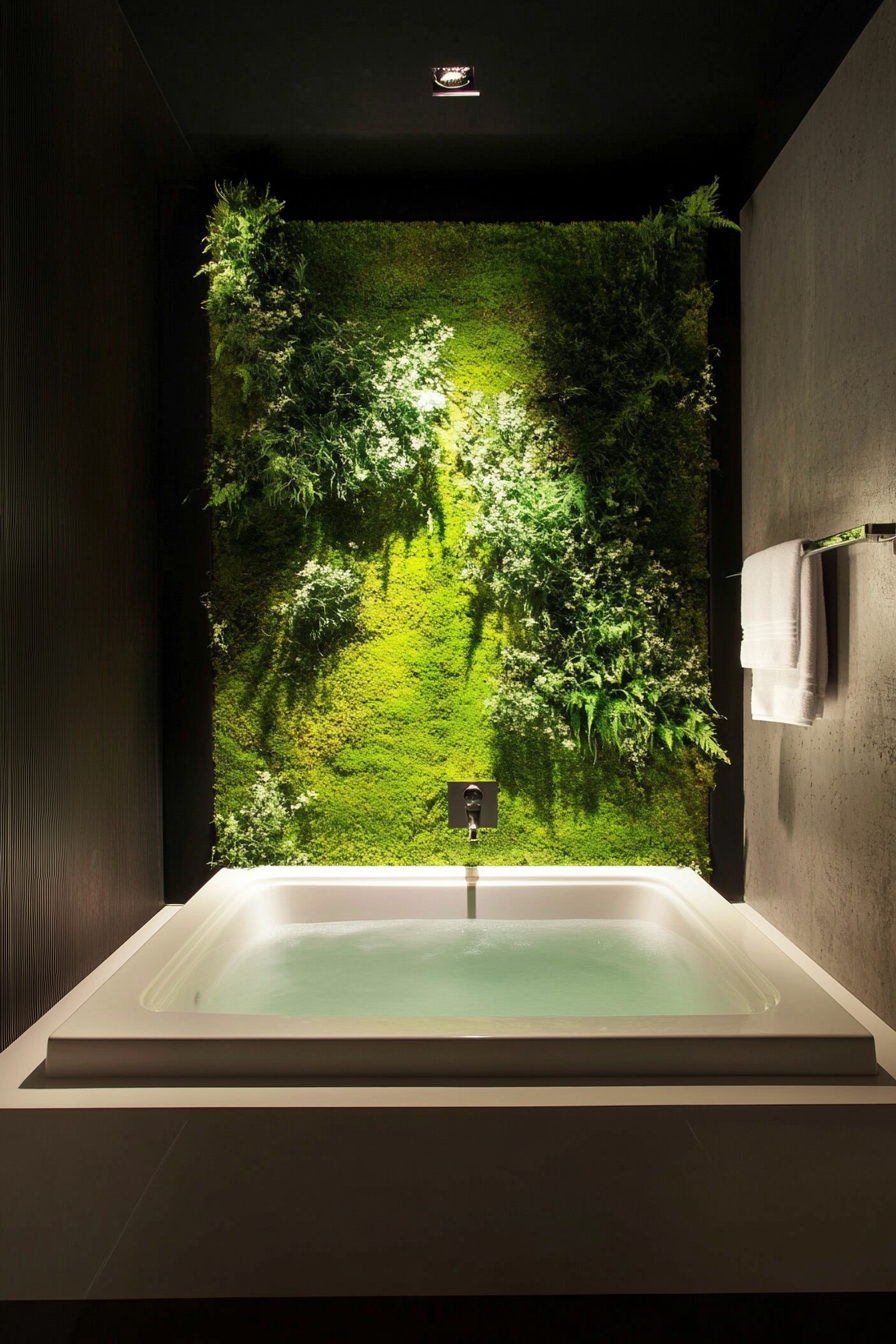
(473, 804)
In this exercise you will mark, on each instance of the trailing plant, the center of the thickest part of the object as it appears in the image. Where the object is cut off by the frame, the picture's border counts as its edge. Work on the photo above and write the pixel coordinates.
(332, 407)
(219, 630)
(259, 833)
(324, 607)
(596, 658)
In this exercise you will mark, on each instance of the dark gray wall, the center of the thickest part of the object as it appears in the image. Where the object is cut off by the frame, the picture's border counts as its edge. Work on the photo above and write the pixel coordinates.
(185, 550)
(86, 139)
(819, 429)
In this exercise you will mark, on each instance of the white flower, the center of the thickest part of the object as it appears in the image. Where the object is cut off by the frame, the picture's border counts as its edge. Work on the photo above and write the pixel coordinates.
(429, 400)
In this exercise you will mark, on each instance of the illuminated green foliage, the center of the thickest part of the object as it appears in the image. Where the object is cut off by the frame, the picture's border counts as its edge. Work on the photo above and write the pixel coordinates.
(259, 833)
(595, 659)
(596, 334)
(322, 609)
(329, 406)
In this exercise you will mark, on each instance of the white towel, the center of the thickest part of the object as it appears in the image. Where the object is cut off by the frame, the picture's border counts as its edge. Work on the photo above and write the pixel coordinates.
(770, 606)
(796, 694)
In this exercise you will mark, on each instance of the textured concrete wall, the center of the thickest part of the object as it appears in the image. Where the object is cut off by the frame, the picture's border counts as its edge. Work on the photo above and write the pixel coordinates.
(819, 397)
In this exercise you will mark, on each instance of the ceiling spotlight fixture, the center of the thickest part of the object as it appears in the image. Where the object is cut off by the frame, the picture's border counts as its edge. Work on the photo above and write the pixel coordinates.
(454, 81)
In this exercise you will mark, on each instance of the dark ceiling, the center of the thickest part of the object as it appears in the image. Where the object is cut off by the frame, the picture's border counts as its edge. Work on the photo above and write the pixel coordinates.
(341, 89)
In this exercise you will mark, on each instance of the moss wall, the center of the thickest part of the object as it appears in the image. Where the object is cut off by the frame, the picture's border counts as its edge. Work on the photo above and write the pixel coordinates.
(377, 729)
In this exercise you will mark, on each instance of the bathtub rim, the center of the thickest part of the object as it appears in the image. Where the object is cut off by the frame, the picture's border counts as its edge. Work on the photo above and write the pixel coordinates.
(786, 1041)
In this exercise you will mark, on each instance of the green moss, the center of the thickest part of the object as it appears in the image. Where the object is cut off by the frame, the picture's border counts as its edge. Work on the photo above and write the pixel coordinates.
(387, 719)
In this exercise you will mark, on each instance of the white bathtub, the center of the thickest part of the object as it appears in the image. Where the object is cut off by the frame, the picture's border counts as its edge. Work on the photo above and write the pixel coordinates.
(150, 1019)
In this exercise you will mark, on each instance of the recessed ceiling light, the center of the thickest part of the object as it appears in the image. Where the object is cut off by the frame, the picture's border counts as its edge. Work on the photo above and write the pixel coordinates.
(454, 81)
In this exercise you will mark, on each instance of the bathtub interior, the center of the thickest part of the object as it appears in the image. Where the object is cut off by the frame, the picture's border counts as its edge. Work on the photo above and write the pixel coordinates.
(187, 983)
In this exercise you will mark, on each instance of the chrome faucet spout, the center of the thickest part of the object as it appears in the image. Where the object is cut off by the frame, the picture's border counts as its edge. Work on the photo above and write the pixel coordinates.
(473, 806)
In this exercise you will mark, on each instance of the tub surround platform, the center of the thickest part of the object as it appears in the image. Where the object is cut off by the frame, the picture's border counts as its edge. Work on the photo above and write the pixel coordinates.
(150, 1187)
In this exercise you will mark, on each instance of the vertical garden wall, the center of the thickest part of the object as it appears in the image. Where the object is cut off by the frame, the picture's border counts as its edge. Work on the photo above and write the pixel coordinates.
(458, 476)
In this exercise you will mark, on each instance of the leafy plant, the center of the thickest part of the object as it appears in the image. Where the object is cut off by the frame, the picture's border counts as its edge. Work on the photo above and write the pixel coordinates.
(333, 408)
(687, 219)
(623, 350)
(596, 658)
(259, 832)
(325, 605)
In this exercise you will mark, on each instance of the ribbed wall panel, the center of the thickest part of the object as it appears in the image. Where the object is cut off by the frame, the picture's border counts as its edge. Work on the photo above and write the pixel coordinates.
(86, 138)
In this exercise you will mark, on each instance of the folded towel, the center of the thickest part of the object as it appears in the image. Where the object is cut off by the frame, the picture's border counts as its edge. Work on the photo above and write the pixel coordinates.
(770, 606)
(796, 695)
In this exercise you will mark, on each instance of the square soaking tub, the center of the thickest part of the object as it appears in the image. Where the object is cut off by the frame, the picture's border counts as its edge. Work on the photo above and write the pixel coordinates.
(452, 973)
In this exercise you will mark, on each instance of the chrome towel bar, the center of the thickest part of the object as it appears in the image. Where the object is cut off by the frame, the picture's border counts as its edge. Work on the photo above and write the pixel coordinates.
(851, 536)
